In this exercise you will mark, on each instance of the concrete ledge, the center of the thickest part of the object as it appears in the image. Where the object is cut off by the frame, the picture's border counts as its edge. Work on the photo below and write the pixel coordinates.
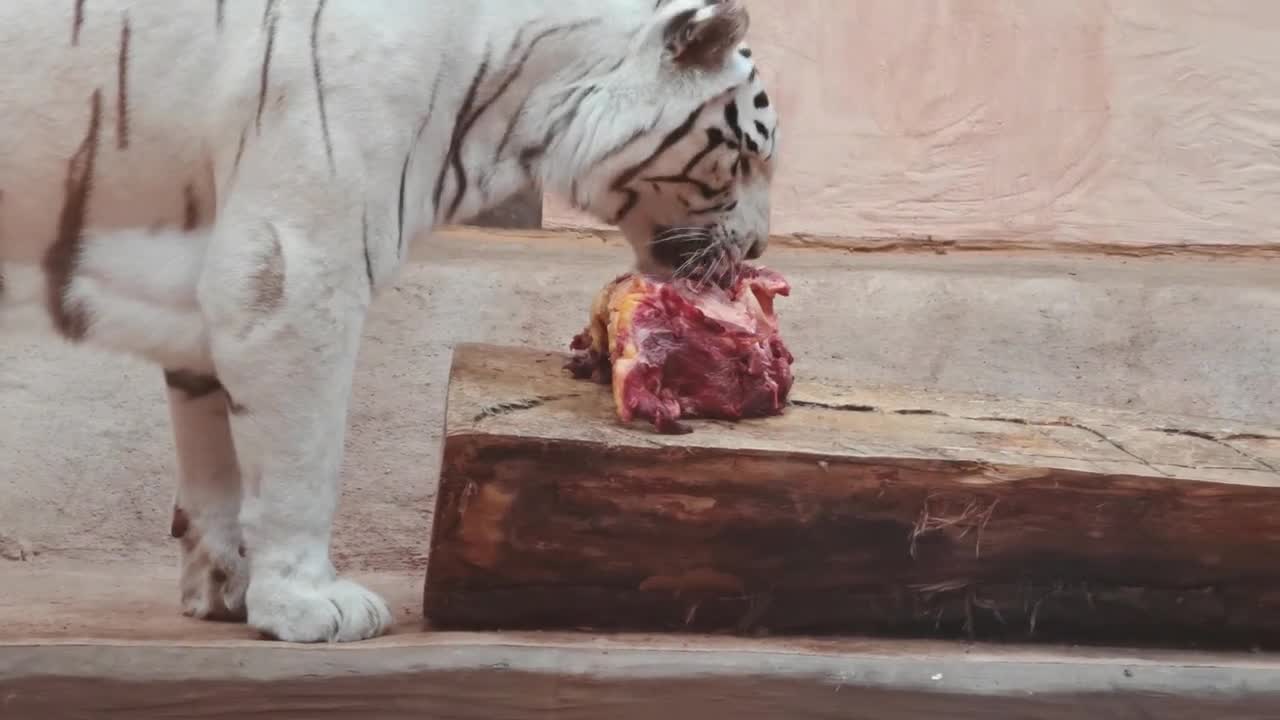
(1183, 334)
(1263, 250)
(82, 666)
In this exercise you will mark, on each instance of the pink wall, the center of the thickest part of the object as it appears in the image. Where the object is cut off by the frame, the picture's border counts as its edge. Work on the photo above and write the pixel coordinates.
(1111, 121)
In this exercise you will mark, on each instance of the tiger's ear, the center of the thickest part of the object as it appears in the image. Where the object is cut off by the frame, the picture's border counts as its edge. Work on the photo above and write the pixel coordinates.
(703, 38)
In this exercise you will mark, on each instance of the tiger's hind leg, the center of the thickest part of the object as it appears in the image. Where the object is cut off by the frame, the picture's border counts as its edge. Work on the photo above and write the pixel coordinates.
(206, 508)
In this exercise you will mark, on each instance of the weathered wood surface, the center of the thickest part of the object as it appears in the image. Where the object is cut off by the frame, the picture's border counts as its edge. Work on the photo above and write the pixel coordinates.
(858, 510)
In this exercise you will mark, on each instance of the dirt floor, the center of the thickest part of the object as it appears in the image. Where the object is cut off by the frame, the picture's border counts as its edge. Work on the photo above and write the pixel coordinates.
(86, 458)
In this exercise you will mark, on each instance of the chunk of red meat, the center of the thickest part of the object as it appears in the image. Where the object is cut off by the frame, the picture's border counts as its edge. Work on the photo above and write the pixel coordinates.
(681, 348)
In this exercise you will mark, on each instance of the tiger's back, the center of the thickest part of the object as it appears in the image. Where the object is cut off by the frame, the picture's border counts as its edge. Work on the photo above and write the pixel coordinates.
(128, 131)
(108, 93)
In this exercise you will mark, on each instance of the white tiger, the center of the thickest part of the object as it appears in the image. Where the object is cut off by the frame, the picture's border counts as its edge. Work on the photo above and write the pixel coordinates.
(221, 187)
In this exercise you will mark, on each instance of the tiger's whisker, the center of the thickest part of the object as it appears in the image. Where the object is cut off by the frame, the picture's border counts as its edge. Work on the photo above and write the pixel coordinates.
(686, 234)
(681, 229)
(692, 262)
(675, 239)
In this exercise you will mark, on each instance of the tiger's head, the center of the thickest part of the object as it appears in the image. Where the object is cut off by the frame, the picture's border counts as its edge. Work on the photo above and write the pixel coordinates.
(680, 141)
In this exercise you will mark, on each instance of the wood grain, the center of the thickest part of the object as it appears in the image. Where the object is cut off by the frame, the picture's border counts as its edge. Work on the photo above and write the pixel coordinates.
(855, 511)
(1144, 122)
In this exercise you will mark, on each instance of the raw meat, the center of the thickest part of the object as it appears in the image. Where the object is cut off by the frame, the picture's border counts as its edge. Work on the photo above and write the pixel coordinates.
(688, 348)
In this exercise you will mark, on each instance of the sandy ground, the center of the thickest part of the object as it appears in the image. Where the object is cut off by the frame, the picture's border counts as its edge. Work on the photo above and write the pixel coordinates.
(86, 458)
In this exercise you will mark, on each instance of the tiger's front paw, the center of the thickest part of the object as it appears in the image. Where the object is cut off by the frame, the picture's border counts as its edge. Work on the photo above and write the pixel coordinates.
(293, 608)
(215, 574)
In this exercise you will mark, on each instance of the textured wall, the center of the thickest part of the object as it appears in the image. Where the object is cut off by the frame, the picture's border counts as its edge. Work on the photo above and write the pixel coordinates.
(1102, 121)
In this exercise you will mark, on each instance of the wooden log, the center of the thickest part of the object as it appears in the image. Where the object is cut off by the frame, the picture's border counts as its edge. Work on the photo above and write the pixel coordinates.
(858, 510)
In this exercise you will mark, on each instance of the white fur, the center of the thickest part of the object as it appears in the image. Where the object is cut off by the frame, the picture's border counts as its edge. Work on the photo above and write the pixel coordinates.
(220, 185)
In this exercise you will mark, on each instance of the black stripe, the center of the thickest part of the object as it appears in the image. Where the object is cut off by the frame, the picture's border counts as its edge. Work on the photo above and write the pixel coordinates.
(708, 192)
(715, 139)
(731, 117)
(60, 260)
(219, 13)
(266, 62)
(620, 183)
(315, 66)
(507, 82)
(404, 176)
(484, 182)
(364, 234)
(404, 172)
(511, 128)
(235, 165)
(634, 137)
(122, 86)
(671, 139)
(451, 159)
(575, 102)
(190, 208)
(719, 207)
(77, 21)
(515, 117)
(530, 155)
